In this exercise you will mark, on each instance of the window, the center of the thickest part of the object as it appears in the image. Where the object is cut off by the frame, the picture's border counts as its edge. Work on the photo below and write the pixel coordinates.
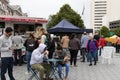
(100, 7)
(100, 4)
(100, 13)
(98, 21)
(97, 24)
(100, 1)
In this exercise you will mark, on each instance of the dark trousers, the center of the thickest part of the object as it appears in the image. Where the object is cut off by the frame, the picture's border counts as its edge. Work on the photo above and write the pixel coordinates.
(117, 48)
(73, 54)
(18, 60)
(100, 50)
(7, 64)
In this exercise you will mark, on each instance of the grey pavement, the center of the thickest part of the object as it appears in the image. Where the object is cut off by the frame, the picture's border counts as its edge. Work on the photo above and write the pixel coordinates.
(83, 71)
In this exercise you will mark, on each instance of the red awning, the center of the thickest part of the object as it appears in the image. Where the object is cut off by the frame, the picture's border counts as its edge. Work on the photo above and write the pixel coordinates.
(23, 19)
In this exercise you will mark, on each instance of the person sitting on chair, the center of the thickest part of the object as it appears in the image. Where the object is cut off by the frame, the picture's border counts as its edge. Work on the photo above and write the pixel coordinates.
(60, 54)
(37, 63)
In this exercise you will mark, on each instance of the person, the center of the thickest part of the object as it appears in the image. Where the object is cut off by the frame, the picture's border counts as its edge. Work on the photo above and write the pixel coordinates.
(65, 42)
(44, 36)
(102, 43)
(74, 46)
(97, 37)
(84, 41)
(31, 43)
(65, 55)
(118, 45)
(37, 33)
(50, 46)
(37, 63)
(92, 49)
(17, 45)
(6, 51)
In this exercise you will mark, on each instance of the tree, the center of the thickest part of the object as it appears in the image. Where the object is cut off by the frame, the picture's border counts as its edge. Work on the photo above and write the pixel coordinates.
(117, 31)
(67, 13)
(104, 31)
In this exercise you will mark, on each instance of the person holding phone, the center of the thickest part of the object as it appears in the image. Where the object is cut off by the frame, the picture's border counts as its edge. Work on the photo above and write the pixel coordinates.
(37, 61)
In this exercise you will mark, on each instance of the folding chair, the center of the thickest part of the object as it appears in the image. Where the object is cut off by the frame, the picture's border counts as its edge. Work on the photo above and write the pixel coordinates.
(54, 71)
(34, 74)
(107, 54)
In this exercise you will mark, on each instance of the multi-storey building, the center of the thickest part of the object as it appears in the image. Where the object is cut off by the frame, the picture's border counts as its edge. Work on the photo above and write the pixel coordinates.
(104, 11)
(98, 11)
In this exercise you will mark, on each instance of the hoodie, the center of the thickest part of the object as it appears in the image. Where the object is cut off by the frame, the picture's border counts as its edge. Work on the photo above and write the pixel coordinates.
(37, 56)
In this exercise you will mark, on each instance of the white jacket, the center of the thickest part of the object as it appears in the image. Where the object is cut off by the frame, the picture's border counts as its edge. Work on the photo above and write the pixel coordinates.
(37, 56)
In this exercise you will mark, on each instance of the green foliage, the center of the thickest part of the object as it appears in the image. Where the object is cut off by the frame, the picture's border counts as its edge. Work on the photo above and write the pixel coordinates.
(105, 31)
(67, 13)
(117, 32)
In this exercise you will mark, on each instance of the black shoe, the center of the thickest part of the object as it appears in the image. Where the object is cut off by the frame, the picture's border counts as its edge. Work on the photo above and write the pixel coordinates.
(90, 64)
(95, 63)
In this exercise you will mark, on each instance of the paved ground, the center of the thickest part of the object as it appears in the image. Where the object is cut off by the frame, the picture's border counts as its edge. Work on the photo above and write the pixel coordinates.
(83, 71)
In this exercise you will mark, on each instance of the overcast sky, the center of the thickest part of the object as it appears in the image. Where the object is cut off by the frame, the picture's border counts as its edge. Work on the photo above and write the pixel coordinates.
(44, 8)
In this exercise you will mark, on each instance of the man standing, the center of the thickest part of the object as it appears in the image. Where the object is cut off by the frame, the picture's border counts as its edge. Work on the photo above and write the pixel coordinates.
(6, 54)
(97, 37)
(17, 45)
(65, 42)
(84, 41)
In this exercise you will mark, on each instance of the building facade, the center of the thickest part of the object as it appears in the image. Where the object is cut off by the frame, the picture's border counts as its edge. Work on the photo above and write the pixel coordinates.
(10, 10)
(103, 12)
(114, 24)
(12, 16)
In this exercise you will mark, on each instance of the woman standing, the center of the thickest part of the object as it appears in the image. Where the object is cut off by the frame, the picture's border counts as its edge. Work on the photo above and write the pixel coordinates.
(31, 43)
(74, 46)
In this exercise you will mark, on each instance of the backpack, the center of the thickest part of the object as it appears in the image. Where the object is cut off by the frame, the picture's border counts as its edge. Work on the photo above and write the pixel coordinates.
(30, 44)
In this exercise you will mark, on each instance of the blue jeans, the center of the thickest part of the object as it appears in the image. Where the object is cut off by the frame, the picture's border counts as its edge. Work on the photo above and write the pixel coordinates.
(60, 69)
(93, 55)
(83, 53)
(28, 58)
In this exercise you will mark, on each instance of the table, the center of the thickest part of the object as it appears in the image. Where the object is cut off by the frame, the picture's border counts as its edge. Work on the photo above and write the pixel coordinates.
(54, 67)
